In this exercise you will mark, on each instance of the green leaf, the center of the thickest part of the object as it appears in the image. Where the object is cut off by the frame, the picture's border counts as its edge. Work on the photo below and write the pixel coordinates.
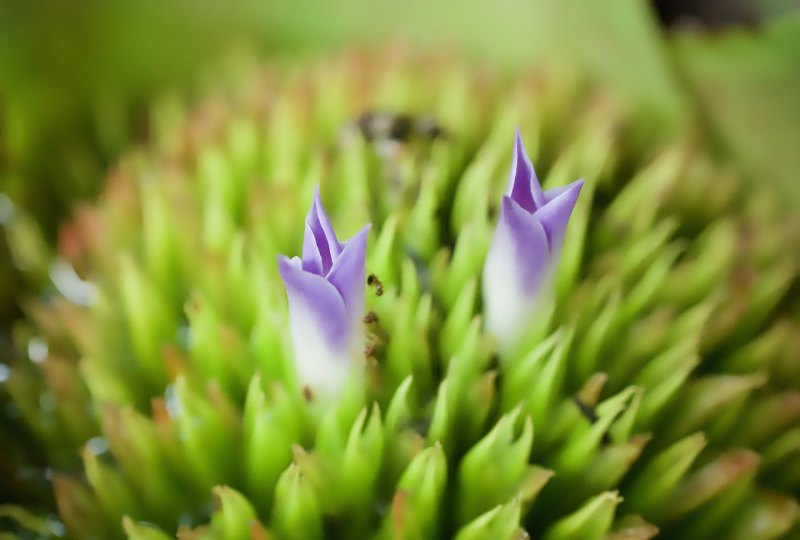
(296, 513)
(591, 521)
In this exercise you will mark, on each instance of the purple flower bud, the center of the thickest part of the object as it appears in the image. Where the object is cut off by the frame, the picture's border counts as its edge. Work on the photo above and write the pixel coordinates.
(326, 303)
(524, 249)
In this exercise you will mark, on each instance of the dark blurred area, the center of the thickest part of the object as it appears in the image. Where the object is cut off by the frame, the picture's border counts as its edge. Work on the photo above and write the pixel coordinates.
(712, 14)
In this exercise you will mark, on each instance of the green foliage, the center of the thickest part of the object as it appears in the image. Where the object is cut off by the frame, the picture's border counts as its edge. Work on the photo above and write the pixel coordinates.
(658, 393)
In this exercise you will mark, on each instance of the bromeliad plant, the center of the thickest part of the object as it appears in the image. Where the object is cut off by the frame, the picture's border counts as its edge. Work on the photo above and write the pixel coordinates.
(600, 360)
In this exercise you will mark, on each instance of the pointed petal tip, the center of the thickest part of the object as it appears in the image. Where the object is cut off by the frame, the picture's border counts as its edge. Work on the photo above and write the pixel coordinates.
(363, 232)
(507, 203)
(555, 215)
(317, 209)
(316, 204)
(347, 272)
(519, 146)
(574, 188)
(518, 136)
(286, 269)
(523, 184)
(360, 236)
(323, 236)
(288, 264)
(508, 207)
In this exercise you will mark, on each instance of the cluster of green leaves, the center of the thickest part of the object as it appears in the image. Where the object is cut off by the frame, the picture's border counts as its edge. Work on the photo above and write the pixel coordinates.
(658, 394)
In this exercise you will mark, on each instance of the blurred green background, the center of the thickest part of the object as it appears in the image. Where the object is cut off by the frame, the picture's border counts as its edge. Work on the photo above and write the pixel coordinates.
(76, 77)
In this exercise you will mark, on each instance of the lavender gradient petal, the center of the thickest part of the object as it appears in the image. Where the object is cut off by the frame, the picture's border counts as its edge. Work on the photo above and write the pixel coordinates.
(315, 306)
(524, 250)
(324, 238)
(520, 177)
(325, 223)
(529, 246)
(516, 266)
(347, 274)
(523, 185)
(312, 259)
(326, 303)
(552, 193)
(554, 216)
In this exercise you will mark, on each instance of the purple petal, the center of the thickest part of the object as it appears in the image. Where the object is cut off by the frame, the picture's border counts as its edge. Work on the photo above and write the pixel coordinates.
(518, 263)
(319, 243)
(315, 305)
(528, 242)
(554, 216)
(523, 185)
(347, 273)
(312, 259)
(552, 193)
